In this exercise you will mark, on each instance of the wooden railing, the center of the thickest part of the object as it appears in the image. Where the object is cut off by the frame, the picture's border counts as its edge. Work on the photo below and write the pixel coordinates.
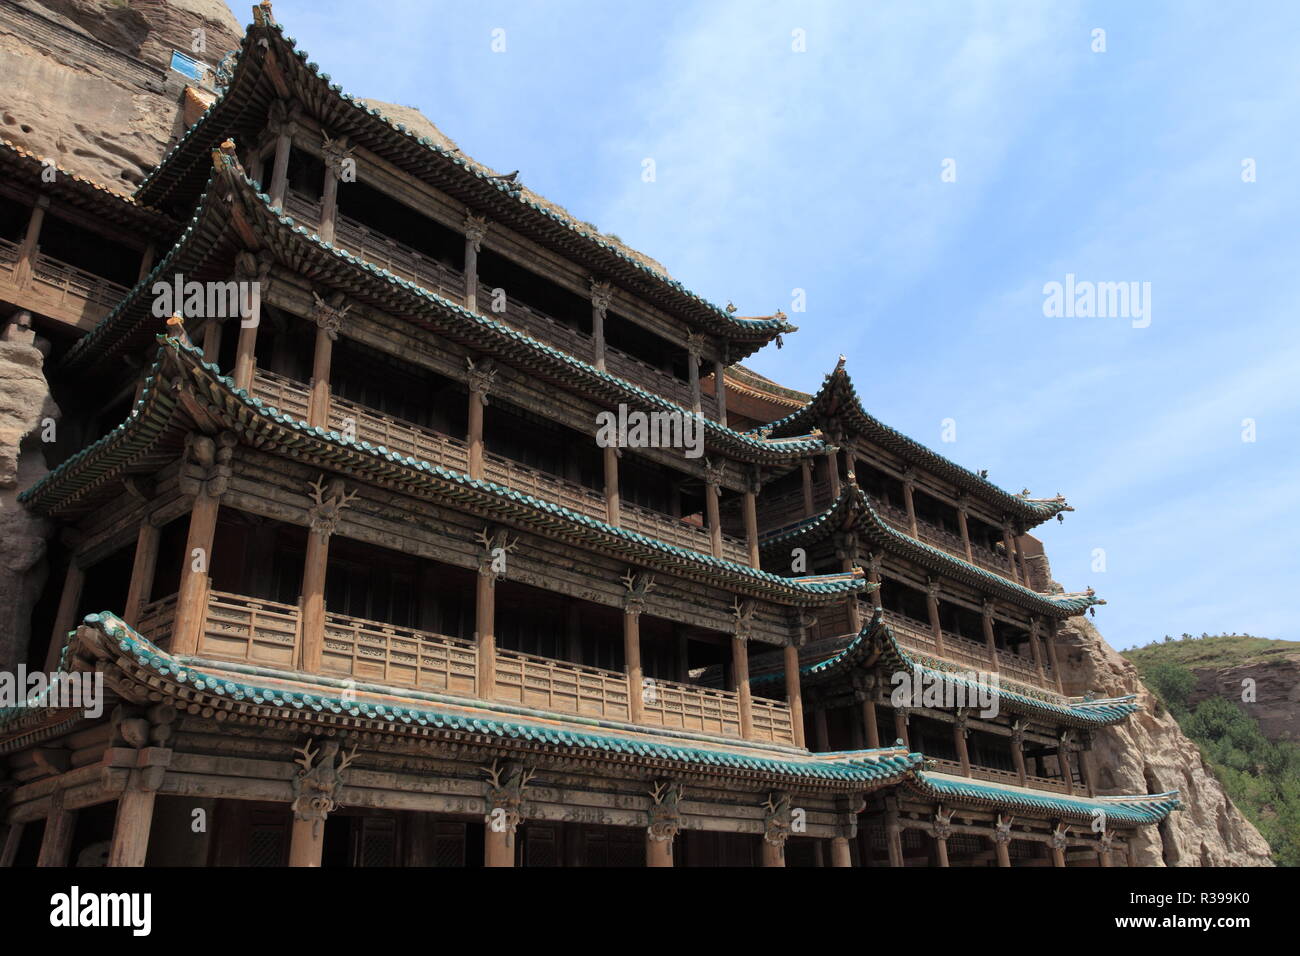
(156, 619)
(911, 633)
(540, 484)
(771, 720)
(283, 394)
(403, 656)
(403, 437)
(560, 686)
(998, 775)
(679, 532)
(687, 707)
(8, 255)
(243, 629)
(70, 282)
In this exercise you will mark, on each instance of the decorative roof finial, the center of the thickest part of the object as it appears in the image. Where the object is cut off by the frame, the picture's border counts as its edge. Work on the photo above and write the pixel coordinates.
(177, 326)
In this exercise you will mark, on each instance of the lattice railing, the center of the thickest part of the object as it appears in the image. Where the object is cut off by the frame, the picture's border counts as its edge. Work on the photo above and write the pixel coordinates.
(238, 628)
(688, 707)
(560, 686)
(70, 282)
(402, 656)
(771, 720)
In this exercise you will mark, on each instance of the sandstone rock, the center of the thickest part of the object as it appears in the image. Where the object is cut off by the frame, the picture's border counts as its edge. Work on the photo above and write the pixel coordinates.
(1150, 754)
(1276, 686)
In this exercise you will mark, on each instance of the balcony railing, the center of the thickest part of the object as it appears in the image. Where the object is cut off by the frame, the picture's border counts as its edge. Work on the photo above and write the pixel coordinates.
(8, 255)
(424, 444)
(68, 282)
(1006, 777)
(253, 631)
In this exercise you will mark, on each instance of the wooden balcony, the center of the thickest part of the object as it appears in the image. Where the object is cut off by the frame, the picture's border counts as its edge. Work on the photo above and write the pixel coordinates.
(406, 438)
(1005, 777)
(252, 631)
(56, 289)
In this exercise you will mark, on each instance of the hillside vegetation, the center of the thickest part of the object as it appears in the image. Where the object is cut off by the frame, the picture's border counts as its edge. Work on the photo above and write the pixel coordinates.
(1261, 777)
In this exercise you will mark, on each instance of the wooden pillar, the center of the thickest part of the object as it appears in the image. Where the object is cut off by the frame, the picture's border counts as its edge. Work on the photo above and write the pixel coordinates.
(336, 152)
(30, 245)
(142, 571)
(658, 852)
(940, 849)
(1058, 852)
(306, 841)
(613, 500)
(720, 390)
(959, 740)
(873, 577)
(821, 735)
(840, 855)
(711, 493)
(480, 381)
(192, 597)
(740, 666)
(773, 854)
(601, 295)
(809, 508)
(1010, 545)
(1084, 756)
(329, 323)
(65, 619)
(1103, 851)
(146, 261)
(833, 472)
(56, 842)
(990, 642)
(900, 725)
(932, 607)
(683, 654)
(632, 662)
(894, 836)
(245, 347)
(751, 523)
(964, 526)
(794, 693)
(869, 723)
(485, 631)
(694, 352)
(1018, 751)
(1063, 763)
(313, 596)
(909, 488)
(131, 830)
(280, 167)
(1036, 645)
(475, 231)
(1001, 846)
(1051, 656)
(212, 341)
(498, 847)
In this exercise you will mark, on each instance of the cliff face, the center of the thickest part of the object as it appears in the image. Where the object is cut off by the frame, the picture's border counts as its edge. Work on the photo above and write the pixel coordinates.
(87, 82)
(1276, 683)
(1148, 753)
(25, 408)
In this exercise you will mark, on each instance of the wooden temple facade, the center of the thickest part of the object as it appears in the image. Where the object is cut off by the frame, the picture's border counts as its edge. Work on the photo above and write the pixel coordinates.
(365, 590)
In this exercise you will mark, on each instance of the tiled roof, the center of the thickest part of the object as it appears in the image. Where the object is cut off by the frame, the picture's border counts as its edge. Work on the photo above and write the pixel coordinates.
(838, 398)
(241, 111)
(853, 509)
(152, 426)
(875, 645)
(1141, 810)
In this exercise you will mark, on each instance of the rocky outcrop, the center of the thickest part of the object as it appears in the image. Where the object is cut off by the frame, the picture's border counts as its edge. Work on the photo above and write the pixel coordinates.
(87, 83)
(1148, 753)
(26, 413)
(1269, 691)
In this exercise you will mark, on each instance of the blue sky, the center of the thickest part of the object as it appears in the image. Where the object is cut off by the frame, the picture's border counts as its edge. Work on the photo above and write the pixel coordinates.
(821, 170)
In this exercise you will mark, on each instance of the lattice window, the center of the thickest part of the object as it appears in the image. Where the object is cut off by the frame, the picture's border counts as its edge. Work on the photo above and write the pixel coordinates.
(449, 844)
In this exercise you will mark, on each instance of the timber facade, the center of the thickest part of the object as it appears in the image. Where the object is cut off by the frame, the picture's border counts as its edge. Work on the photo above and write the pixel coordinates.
(366, 589)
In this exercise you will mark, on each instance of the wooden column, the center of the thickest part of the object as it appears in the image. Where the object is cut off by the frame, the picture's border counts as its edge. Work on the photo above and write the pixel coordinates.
(212, 341)
(894, 835)
(751, 522)
(1035, 645)
(694, 353)
(658, 852)
(329, 321)
(249, 269)
(869, 722)
(990, 642)
(873, 577)
(959, 740)
(56, 842)
(805, 468)
(306, 842)
(683, 654)
(498, 847)
(794, 693)
(740, 666)
(833, 472)
(475, 231)
(1084, 756)
(939, 833)
(192, 597)
(1103, 850)
(481, 374)
(900, 725)
(773, 854)
(821, 734)
(932, 607)
(65, 619)
(143, 566)
(146, 261)
(711, 493)
(280, 166)
(335, 152)
(840, 855)
(909, 488)
(1010, 545)
(720, 389)
(632, 660)
(1051, 656)
(485, 630)
(1001, 845)
(601, 295)
(13, 835)
(315, 565)
(30, 245)
(1018, 751)
(1057, 846)
(1063, 763)
(964, 526)
(613, 500)
(131, 830)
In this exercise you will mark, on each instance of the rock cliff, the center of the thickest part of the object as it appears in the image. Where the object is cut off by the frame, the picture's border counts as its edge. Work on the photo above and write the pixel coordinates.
(1150, 754)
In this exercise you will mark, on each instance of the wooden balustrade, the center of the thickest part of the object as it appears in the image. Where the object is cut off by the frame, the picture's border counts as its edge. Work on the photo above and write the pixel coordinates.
(68, 281)
(998, 775)
(911, 633)
(156, 619)
(283, 394)
(771, 720)
(560, 686)
(402, 656)
(688, 707)
(250, 631)
(679, 532)
(399, 436)
(8, 255)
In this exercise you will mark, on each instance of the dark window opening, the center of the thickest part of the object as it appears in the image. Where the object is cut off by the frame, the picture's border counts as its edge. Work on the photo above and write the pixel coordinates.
(397, 221)
(89, 251)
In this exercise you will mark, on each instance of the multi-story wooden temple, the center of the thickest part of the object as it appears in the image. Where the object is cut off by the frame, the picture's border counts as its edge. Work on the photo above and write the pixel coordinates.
(365, 589)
